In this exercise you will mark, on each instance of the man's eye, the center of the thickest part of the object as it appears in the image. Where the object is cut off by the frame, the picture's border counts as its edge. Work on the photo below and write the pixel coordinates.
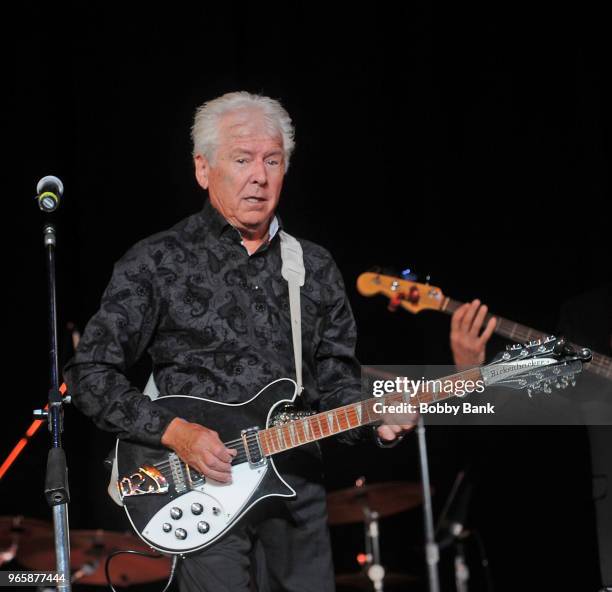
(273, 162)
(241, 160)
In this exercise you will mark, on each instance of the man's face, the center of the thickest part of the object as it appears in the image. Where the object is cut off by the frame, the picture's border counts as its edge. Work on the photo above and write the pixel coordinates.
(245, 179)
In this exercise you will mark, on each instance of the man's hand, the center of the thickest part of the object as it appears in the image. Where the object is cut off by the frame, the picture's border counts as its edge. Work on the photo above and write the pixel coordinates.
(467, 344)
(390, 432)
(200, 448)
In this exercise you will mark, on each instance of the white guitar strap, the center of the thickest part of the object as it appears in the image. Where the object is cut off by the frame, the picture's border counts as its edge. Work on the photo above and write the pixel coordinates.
(294, 272)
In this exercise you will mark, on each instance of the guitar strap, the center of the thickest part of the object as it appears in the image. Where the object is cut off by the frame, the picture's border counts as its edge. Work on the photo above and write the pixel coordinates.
(294, 272)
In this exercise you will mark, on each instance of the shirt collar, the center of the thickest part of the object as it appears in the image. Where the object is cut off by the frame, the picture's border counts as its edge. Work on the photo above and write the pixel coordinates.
(216, 224)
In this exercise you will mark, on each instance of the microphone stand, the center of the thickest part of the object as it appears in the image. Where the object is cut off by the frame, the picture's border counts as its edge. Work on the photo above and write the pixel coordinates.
(432, 553)
(56, 479)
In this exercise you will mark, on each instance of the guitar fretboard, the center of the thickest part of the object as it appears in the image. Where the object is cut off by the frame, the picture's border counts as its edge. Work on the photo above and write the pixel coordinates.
(329, 423)
(600, 364)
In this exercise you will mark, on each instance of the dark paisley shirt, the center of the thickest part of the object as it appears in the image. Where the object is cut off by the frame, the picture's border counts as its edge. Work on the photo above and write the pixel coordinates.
(216, 324)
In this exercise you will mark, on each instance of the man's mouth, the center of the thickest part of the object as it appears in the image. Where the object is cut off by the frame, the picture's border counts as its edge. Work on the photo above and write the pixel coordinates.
(254, 199)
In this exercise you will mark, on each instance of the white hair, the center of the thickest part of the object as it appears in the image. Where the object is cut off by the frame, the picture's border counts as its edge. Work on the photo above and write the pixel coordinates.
(205, 129)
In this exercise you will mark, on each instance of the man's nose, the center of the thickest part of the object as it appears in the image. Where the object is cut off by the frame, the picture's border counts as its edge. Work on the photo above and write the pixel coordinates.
(258, 173)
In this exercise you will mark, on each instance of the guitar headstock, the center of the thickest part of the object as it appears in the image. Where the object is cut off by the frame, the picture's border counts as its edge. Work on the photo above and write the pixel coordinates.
(538, 366)
(410, 295)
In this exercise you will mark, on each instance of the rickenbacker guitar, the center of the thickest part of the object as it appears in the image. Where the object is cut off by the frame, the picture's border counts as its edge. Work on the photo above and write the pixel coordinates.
(415, 297)
(176, 510)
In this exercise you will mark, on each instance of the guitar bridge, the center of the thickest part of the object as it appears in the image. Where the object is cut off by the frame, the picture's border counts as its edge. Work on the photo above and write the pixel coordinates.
(252, 448)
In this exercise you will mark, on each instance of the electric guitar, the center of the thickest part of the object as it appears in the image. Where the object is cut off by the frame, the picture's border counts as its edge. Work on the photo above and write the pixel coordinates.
(416, 297)
(176, 510)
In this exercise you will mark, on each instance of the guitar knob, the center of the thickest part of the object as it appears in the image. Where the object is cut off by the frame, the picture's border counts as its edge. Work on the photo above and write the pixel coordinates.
(203, 527)
(197, 508)
(180, 533)
(167, 527)
(176, 513)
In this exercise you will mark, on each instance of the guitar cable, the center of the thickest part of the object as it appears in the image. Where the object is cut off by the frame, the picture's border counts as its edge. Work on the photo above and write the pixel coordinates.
(143, 554)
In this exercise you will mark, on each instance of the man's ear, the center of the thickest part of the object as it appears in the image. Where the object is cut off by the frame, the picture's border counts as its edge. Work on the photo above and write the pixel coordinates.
(202, 170)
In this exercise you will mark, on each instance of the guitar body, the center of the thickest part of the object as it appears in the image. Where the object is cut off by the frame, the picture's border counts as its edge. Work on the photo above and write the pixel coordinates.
(176, 510)
(193, 511)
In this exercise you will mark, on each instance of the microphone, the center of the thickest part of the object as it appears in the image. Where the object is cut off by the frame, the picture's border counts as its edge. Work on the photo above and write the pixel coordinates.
(49, 190)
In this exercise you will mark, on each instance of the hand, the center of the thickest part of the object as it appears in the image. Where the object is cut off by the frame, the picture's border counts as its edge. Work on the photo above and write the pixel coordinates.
(467, 345)
(388, 432)
(200, 448)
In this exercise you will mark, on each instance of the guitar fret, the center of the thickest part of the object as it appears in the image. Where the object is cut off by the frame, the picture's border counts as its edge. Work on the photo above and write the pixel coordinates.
(284, 432)
(306, 426)
(348, 418)
(278, 443)
(321, 431)
(298, 425)
(358, 413)
(270, 442)
(312, 425)
(263, 438)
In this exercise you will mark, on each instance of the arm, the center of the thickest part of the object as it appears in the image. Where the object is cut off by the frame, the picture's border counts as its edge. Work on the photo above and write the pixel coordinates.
(338, 371)
(113, 341)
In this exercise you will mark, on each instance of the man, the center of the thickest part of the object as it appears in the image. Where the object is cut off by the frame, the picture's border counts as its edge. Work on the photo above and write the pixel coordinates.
(207, 301)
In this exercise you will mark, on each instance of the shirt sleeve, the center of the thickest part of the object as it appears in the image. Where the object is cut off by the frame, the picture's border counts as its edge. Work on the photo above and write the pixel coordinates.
(114, 340)
(338, 372)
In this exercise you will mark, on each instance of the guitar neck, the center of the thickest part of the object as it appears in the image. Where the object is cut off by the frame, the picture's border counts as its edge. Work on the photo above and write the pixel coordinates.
(600, 364)
(348, 417)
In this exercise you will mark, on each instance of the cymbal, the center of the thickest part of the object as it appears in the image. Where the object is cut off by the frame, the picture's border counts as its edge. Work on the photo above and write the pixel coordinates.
(360, 581)
(19, 528)
(346, 505)
(88, 552)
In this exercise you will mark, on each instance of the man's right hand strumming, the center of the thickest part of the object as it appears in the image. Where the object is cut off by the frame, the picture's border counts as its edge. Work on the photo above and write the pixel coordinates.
(201, 448)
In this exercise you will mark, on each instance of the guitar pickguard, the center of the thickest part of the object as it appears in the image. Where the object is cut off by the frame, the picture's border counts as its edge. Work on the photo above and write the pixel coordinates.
(201, 515)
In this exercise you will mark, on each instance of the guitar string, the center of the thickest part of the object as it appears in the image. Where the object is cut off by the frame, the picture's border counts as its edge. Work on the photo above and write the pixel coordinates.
(164, 465)
(280, 437)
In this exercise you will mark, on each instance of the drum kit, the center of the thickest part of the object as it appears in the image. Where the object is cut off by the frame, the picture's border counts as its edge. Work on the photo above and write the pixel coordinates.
(29, 542)
(367, 504)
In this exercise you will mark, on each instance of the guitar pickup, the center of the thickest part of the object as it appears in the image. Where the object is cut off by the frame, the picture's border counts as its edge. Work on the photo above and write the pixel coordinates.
(146, 480)
(252, 448)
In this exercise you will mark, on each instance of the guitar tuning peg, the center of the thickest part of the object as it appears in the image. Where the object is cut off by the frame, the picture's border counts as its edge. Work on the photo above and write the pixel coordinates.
(409, 274)
(428, 278)
(394, 302)
(546, 388)
(529, 392)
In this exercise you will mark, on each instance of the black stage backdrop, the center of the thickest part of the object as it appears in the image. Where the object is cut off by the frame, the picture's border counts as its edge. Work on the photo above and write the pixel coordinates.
(472, 144)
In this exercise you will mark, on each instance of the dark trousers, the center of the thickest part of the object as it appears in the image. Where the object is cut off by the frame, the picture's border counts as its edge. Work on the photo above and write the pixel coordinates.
(601, 458)
(271, 549)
